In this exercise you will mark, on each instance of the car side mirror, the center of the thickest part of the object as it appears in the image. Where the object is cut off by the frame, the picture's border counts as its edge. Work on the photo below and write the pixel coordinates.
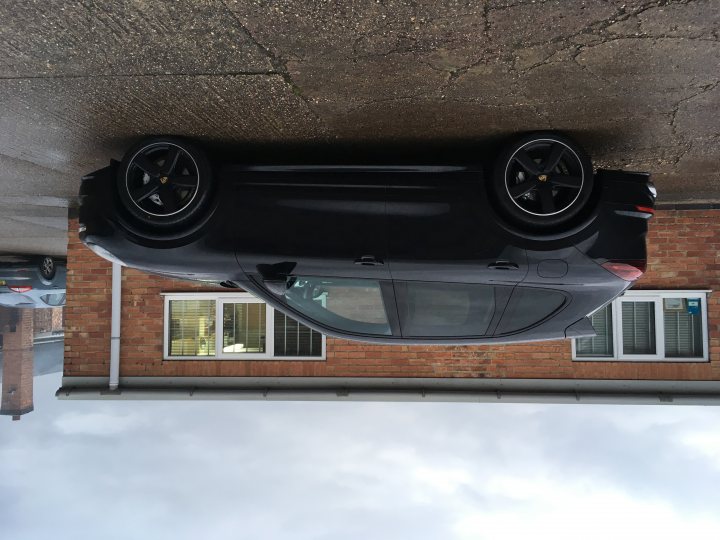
(277, 286)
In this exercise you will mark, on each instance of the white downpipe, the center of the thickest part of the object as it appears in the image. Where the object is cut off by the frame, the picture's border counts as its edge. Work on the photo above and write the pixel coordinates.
(115, 327)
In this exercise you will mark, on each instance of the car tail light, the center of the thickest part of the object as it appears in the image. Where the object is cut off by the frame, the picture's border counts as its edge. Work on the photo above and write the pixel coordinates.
(20, 289)
(645, 209)
(627, 270)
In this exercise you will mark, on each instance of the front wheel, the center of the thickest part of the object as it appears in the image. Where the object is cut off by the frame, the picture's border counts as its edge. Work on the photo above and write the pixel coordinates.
(543, 180)
(164, 182)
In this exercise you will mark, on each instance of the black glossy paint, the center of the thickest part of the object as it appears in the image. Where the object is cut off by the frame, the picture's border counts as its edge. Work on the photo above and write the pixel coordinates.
(392, 224)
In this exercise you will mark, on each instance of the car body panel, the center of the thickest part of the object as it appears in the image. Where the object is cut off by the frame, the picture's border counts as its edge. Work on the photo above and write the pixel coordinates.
(278, 222)
(440, 229)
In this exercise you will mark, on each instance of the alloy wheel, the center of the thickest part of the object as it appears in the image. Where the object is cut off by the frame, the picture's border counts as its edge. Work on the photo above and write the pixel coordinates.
(544, 177)
(47, 267)
(162, 179)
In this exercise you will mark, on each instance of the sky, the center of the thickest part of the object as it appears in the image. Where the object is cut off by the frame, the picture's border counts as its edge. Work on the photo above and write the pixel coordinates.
(327, 470)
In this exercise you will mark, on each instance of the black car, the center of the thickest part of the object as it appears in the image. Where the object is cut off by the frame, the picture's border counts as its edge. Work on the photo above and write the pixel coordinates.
(32, 281)
(516, 250)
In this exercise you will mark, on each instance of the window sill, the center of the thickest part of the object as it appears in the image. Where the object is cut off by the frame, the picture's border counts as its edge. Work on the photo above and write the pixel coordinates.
(252, 358)
(644, 360)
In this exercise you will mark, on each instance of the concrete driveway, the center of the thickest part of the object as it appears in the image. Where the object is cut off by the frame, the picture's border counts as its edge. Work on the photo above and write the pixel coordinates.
(635, 82)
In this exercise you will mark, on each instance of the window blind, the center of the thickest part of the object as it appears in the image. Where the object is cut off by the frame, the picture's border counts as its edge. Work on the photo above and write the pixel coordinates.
(638, 327)
(683, 333)
(192, 328)
(602, 344)
(244, 327)
(295, 339)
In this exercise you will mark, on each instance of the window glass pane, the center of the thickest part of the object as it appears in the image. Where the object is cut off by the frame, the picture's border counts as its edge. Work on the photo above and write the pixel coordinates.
(638, 327)
(352, 305)
(244, 328)
(601, 345)
(444, 309)
(192, 328)
(295, 339)
(527, 307)
(683, 330)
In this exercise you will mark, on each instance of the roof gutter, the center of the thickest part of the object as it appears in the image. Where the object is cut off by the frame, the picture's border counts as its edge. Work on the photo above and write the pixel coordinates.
(402, 390)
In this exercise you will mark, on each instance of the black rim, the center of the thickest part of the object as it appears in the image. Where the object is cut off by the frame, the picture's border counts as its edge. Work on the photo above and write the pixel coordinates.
(47, 267)
(544, 177)
(162, 179)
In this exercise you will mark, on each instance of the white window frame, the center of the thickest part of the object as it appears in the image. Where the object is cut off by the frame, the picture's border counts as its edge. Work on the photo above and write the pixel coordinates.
(220, 299)
(657, 297)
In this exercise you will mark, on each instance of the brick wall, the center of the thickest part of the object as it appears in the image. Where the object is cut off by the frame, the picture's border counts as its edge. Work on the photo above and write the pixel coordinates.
(684, 249)
(17, 376)
(48, 320)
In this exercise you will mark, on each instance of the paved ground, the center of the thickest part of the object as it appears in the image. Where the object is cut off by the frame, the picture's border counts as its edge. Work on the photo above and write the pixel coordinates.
(635, 82)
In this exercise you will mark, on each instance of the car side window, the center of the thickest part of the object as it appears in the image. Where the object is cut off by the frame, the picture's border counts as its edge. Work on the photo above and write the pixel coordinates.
(529, 306)
(350, 305)
(429, 309)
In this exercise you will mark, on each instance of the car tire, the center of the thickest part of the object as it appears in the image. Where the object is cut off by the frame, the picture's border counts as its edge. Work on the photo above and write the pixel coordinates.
(164, 182)
(543, 181)
(47, 269)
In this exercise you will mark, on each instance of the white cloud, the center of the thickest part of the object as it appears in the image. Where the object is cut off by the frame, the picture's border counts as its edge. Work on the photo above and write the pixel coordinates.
(705, 443)
(101, 424)
(568, 512)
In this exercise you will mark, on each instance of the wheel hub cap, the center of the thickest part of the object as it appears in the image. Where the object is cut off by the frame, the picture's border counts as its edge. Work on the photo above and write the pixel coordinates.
(544, 177)
(162, 179)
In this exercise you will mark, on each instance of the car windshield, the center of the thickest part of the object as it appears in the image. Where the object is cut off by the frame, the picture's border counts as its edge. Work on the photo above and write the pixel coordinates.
(350, 305)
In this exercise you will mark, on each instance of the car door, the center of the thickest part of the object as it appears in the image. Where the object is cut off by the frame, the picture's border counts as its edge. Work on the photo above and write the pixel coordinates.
(321, 221)
(441, 230)
(442, 311)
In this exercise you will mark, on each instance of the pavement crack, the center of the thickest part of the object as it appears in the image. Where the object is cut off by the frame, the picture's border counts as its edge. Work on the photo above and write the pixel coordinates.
(673, 114)
(279, 65)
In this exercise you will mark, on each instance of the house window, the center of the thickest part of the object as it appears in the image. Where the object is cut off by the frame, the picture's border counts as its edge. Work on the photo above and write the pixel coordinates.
(295, 339)
(244, 327)
(234, 327)
(649, 326)
(191, 330)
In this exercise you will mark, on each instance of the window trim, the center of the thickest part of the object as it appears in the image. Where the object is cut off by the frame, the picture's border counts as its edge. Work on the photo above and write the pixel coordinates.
(657, 296)
(220, 299)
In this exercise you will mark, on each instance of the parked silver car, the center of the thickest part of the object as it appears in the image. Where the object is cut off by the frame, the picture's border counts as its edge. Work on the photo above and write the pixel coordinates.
(32, 281)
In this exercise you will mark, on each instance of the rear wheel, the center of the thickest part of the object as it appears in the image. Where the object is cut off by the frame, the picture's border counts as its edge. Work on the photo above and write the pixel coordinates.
(164, 182)
(543, 180)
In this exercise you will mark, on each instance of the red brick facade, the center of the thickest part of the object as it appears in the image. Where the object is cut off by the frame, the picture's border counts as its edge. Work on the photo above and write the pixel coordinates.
(684, 253)
(17, 375)
(48, 320)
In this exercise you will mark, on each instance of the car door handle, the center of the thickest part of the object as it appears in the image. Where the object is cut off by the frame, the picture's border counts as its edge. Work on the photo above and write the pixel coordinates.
(503, 265)
(368, 260)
